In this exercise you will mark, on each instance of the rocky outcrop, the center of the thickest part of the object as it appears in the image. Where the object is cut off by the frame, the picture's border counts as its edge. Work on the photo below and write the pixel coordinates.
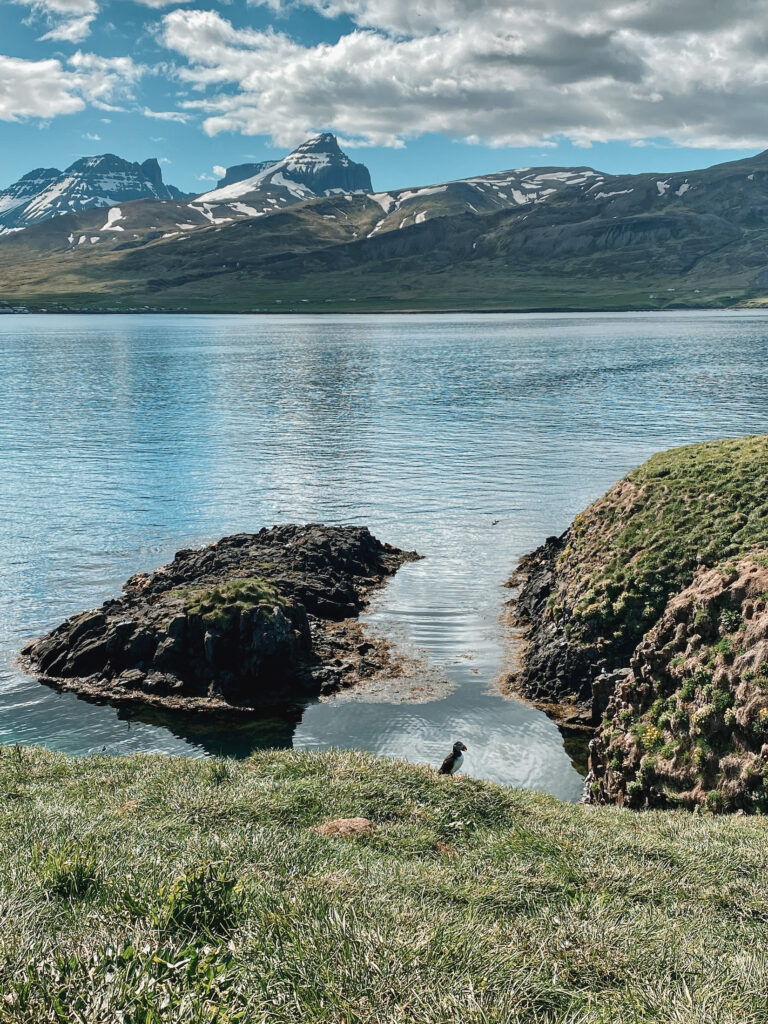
(648, 621)
(252, 620)
(572, 681)
(585, 600)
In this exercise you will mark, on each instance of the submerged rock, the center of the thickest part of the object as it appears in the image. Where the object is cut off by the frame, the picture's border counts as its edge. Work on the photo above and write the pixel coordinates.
(252, 620)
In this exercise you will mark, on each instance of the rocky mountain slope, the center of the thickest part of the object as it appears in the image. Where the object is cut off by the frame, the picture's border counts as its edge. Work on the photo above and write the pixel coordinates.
(95, 181)
(525, 239)
(318, 167)
(651, 614)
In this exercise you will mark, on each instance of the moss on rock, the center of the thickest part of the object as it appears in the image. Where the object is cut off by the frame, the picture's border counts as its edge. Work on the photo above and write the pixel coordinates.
(654, 605)
(689, 725)
(220, 606)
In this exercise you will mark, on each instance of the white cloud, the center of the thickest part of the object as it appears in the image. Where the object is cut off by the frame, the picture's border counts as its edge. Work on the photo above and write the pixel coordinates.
(73, 30)
(70, 20)
(167, 115)
(501, 72)
(219, 171)
(46, 88)
(92, 137)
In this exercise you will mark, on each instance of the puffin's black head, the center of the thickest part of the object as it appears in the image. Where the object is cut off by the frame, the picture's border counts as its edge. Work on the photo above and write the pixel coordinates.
(458, 746)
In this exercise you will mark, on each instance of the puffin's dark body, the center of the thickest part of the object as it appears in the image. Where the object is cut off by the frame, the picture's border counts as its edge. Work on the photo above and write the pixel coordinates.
(453, 762)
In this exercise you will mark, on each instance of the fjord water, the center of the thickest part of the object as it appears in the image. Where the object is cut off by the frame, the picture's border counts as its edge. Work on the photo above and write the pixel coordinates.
(470, 438)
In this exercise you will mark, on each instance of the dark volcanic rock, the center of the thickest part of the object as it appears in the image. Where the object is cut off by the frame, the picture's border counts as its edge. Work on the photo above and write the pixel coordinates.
(252, 620)
(553, 670)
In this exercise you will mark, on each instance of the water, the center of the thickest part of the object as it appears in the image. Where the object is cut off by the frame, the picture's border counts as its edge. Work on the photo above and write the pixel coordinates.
(469, 438)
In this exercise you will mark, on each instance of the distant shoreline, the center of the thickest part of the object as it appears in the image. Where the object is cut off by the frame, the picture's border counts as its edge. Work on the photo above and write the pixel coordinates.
(385, 312)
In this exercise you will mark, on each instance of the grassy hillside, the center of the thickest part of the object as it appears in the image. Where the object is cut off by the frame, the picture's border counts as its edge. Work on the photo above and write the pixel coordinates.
(148, 889)
(643, 541)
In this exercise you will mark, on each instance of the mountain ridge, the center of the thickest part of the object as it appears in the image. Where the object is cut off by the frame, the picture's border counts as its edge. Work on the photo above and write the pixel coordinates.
(91, 181)
(546, 237)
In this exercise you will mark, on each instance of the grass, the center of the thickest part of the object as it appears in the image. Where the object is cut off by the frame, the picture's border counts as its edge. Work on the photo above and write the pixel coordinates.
(148, 889)
(222, 605)
(642, 542)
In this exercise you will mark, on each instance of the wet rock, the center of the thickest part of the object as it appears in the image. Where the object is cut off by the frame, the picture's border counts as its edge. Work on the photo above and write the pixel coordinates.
(245, 621)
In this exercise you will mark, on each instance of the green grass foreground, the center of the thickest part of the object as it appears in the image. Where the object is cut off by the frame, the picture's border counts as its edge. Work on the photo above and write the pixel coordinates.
(155, 889)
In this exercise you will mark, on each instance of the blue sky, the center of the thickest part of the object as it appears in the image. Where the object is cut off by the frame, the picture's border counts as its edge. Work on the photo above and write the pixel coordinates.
(419, 91)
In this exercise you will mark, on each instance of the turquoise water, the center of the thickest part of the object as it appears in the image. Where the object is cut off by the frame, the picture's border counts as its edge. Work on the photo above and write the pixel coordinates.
(470, 438)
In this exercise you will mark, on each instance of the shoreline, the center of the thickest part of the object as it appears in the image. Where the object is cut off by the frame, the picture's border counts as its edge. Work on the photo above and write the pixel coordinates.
(473, 311)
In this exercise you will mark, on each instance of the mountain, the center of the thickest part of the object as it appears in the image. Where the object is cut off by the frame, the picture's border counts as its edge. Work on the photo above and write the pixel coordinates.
(242, 171)
(318, 167)
(306, 232)
(92, 181)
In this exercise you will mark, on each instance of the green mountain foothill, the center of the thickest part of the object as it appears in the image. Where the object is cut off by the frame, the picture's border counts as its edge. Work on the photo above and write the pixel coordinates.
(648, 619)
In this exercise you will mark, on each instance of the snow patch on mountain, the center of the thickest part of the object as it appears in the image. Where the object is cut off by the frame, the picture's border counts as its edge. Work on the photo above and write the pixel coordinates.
(316, 168)
(113, 216)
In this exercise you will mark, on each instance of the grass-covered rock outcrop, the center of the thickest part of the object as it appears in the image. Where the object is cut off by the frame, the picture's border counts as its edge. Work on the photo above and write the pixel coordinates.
(167, 891)
(650, 614)
(688, 726)
(252, 620)
(588, 598)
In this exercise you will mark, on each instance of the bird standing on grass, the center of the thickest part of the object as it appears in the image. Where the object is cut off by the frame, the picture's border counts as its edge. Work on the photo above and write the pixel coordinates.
(454, 761)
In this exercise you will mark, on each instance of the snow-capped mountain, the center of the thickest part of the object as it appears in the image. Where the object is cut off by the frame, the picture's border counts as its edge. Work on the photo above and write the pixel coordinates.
(93, 181)
(318, 167)
(242, 171)
(489, 193)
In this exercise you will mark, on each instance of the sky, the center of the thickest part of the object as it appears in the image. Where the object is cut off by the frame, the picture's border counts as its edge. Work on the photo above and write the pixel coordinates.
(419, 90)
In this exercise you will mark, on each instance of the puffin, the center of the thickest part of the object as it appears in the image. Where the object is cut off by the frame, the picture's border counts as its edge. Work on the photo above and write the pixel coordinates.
(454, 761)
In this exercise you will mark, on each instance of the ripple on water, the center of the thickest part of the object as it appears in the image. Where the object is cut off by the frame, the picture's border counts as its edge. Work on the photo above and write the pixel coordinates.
(468, 438)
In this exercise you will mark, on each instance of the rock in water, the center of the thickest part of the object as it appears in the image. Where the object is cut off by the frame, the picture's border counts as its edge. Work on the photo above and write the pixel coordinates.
(252, 620)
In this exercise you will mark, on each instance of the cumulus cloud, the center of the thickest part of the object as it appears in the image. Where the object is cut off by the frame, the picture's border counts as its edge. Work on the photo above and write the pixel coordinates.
(501, 72)
(46, 88)
(70, 20)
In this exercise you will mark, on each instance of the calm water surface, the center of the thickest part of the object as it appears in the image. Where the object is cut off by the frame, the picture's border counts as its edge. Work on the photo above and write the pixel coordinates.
(469, 438)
